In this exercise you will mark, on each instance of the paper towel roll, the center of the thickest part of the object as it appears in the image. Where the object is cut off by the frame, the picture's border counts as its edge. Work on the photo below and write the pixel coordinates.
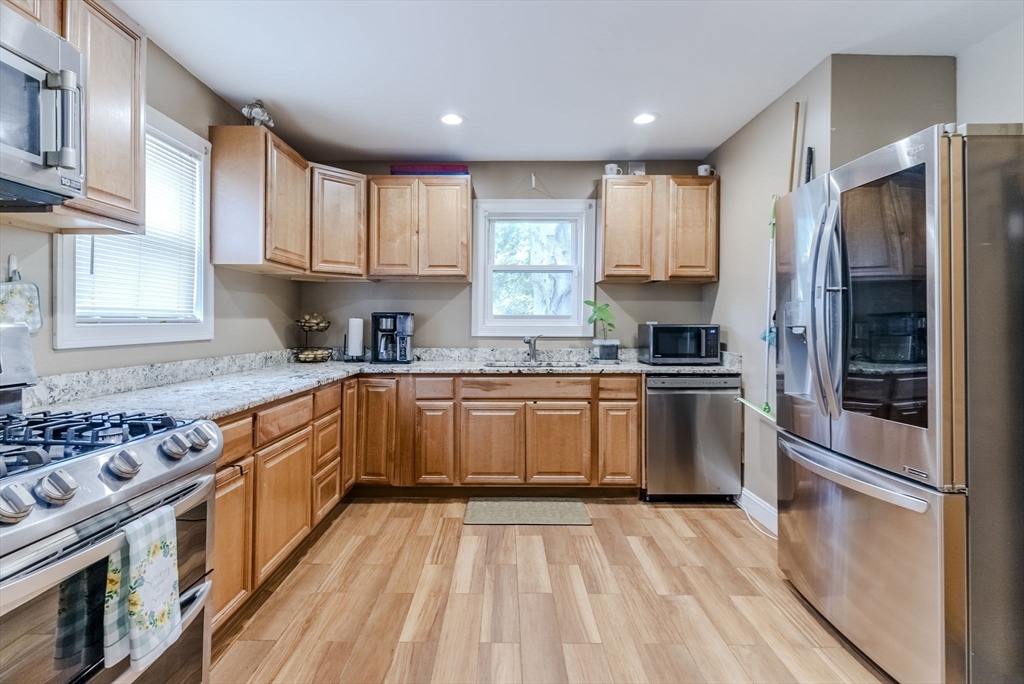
(355, 337)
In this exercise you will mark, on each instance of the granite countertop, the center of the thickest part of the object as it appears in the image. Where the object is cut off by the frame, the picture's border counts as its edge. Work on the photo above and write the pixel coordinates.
(222, 395)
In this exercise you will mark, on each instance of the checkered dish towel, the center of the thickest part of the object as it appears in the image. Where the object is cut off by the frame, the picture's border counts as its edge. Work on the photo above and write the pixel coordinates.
(141, 613)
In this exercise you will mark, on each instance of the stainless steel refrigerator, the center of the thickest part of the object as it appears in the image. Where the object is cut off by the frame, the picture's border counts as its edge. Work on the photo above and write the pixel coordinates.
(900, 311)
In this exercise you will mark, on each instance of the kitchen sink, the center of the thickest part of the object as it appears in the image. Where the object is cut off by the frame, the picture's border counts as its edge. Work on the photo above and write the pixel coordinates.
(534, 364)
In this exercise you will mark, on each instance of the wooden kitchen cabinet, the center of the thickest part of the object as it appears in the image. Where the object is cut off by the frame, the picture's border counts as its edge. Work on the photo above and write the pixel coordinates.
(233, 539)
(618, 451)
(283, 500)
(48, 13)
(435, 443)
(659, 228)
(872, 233)
(492, 442)
(558, 442)
(327, 440)
(338, 230)
(349, 433)
(114, 50)
(420, 227)
(260, 202)
(326, 490)
(378, 398)
(627, 208)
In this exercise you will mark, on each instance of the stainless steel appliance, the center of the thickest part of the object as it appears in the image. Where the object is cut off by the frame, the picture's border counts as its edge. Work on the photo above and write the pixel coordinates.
(678, 345)
(42, 134)
(899, 280)
(693, 437)
(391, 335)
(68, 484)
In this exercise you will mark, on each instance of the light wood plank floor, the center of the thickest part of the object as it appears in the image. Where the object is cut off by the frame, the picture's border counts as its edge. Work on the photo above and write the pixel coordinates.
(401, 591)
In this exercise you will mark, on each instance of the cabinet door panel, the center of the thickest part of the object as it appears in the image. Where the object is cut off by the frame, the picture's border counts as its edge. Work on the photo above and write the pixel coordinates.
(394, 216)
(435, 442)
(114, 52)
(232, 547)
(326, 440)
(693, 227)
(283, 474)
(492, 443)
(377, 404)
(618, 445)
(627, 225)
(287, 229)
(326, 490)
(444, 226)
(339, 222)
(49, 13)
(871, 231)
(558, 442)
(349, 434)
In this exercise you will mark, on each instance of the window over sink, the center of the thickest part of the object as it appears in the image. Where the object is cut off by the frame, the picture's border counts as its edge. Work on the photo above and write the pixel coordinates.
(533, 267)
(157, 287)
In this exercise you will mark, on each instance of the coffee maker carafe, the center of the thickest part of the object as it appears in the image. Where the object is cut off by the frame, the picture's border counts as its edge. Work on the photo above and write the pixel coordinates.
(391, 337)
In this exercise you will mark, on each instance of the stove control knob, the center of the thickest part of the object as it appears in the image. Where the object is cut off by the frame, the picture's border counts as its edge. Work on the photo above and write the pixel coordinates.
(125, 464)
(15, 503)
(175, 446)
(200, 436)
(57, 488)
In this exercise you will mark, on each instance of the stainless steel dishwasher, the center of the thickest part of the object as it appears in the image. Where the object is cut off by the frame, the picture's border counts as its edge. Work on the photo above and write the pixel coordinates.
(693, 437)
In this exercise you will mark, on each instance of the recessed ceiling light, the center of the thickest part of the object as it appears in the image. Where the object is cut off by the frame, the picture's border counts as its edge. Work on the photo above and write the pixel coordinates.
(645, 118)
(453, 119)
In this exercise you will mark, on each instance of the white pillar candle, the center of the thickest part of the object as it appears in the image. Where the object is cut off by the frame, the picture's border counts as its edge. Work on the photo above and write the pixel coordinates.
(355, 337)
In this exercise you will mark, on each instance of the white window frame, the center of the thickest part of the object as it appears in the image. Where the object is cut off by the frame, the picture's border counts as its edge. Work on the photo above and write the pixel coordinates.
(69, 334)
(485, 213)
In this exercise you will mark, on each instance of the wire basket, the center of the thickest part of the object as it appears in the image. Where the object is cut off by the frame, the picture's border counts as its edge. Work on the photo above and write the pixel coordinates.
(314, 354)
(314, 323)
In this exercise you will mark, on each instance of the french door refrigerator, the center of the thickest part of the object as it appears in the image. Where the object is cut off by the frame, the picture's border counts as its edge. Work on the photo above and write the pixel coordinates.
(900, 305)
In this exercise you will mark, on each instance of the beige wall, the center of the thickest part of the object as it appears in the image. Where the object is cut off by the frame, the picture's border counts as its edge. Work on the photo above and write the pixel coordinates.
(252, 312)
(879, 99)
(754, 165)
(443, 309)
(990, 78)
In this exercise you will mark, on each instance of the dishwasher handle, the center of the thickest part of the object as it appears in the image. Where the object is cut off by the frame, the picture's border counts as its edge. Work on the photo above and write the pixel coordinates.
(705, 390)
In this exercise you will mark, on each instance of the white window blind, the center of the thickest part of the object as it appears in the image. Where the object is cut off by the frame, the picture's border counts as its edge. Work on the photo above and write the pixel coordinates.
(151, 278)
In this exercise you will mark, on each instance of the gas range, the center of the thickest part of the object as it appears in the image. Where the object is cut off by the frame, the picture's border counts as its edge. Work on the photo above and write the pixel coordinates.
(59, 469)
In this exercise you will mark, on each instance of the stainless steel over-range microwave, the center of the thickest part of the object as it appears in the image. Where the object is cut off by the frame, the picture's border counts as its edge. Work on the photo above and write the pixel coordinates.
(678, 345)
(42, 133)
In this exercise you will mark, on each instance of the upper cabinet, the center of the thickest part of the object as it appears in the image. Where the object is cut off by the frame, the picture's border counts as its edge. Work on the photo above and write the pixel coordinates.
(49, 13)
(888, 241)
(260, 202)
(420, 227)
(338, 222)
(657, 228)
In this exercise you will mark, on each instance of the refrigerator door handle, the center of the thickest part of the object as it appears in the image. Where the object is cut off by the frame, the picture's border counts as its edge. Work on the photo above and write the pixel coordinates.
(836, 292)
(911, 503)
(822, 364)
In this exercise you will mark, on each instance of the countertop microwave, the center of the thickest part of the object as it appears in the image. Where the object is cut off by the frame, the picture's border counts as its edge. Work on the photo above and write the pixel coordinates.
(663, 344)
(42, 96)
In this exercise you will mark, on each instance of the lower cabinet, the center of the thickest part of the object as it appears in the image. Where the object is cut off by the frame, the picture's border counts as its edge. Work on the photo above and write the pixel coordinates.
(435, 443)
(326, 490)
(232, 545)
(558, 442)
(618, 452)
(349, 433)
(493, 443)
(378, 398)
(283, 499)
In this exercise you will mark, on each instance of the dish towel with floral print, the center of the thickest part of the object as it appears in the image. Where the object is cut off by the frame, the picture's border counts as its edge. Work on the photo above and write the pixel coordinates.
(141, 612)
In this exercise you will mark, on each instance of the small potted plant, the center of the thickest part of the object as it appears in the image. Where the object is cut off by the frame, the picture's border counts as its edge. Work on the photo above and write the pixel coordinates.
(604, 349)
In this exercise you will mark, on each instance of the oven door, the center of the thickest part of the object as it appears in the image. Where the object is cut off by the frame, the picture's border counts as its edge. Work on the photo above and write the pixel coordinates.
(51, 610)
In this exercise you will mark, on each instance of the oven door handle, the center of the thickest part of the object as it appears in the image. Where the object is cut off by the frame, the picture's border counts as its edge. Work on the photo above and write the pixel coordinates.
(23, 589)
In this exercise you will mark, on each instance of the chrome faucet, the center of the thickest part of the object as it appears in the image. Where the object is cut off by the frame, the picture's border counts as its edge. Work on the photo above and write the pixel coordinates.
(531, 354)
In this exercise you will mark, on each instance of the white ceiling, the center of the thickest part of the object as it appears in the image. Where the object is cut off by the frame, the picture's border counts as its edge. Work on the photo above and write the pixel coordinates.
(541, 80)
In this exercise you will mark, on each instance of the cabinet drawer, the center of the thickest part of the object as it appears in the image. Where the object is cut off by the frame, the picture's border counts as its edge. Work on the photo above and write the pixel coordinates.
(326, 400)
(327, 439)
(526, 388)
(237, 439)
(326, 490)
(283, 418)
(435, 388)
(624, 387)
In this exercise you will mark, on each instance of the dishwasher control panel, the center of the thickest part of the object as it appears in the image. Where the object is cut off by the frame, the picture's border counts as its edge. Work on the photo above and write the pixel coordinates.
(693, 382)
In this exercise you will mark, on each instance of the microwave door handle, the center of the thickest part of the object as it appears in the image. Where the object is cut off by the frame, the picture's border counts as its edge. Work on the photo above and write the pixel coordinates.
(69, 115)
(703, 343)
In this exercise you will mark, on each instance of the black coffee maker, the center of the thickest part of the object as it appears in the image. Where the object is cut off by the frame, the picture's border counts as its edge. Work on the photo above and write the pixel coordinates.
(391, 337)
